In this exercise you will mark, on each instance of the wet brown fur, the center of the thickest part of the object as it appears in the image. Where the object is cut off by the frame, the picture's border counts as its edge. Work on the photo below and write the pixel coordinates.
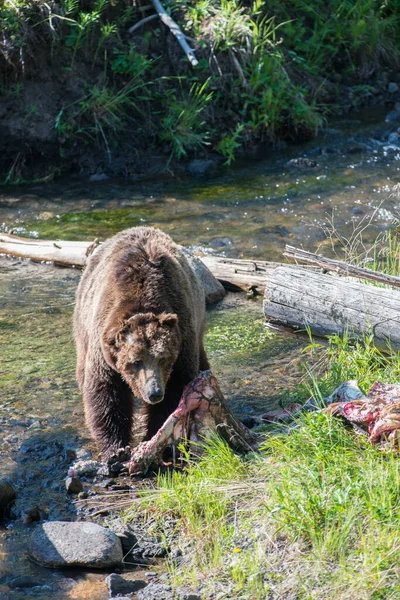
(138, 300)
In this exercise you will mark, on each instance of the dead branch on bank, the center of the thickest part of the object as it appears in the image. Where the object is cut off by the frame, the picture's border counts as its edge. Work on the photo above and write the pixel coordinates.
(172, 26)
(340, 267)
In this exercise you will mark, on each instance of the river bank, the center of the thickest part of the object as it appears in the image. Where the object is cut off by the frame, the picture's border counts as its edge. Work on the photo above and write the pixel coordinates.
(98, 89)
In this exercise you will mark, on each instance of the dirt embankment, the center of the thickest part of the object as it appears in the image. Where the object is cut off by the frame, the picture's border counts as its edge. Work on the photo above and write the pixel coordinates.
(81, 94)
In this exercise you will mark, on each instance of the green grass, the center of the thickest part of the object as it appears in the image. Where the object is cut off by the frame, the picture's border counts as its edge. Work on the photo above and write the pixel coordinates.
(315, 514)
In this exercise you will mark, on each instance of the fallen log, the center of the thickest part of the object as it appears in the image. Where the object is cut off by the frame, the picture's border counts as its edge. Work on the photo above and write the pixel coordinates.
(300, 298)
(233, 273)
(340, 267)
(66, 253)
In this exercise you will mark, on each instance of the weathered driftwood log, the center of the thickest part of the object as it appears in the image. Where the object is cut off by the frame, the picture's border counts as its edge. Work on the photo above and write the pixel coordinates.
(237, 273)
(340, 267)
(202, 413)
(69, 254)
(329, 305)
(233, 273)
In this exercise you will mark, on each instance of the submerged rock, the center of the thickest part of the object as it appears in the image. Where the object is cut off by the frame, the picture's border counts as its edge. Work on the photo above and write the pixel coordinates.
(82, 544)
(25, 581)
(202, 167)
(118, 585)
(221, 242)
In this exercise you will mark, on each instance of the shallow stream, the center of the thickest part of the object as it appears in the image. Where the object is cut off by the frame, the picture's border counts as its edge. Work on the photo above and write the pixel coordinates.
(249, 211)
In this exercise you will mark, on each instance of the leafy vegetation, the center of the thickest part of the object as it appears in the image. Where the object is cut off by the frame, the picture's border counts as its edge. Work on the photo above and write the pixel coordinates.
(266, 70)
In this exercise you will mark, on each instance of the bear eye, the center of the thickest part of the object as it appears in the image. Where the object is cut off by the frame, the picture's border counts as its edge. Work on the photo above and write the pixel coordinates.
(137, 364)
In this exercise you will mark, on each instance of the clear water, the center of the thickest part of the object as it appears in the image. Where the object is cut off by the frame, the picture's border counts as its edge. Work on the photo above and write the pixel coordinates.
(250, 211)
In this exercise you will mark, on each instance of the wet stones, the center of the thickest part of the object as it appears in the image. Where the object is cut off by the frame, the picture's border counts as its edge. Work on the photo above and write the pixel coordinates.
(156, 591)
(84, 468)
(302, 162)
(7, 495)
(73, 485)
(137, 542)
(118, 585)
(81, 544)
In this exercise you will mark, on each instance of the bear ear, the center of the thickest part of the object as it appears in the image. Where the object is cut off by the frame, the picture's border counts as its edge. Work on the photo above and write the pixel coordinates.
(111, 341)
(168, 320)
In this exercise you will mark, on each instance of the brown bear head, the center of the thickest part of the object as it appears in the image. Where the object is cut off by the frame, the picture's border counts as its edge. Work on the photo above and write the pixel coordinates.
(143, 350)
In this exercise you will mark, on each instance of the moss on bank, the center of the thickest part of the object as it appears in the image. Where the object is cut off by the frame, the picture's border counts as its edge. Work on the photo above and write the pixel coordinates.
(78, 87)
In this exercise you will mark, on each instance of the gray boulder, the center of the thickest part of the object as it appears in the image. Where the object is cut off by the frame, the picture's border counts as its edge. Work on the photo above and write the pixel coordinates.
(213, 289)
(82, 544)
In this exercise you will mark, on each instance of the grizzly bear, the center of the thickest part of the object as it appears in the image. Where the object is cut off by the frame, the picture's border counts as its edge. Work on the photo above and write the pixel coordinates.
(138, 326)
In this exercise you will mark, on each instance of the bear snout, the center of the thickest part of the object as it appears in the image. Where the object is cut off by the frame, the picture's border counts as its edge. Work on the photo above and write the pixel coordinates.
(156, 396)
(154, 392)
